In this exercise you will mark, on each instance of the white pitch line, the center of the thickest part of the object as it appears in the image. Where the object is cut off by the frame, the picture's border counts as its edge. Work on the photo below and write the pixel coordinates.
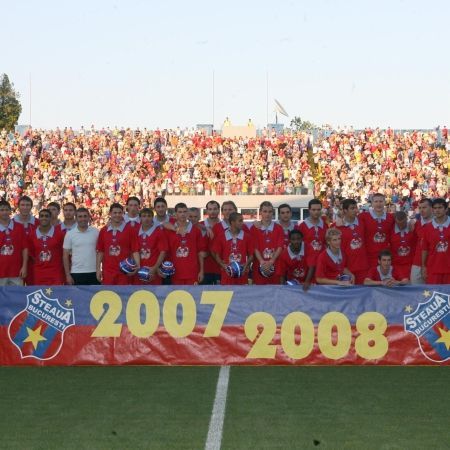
(214, 439)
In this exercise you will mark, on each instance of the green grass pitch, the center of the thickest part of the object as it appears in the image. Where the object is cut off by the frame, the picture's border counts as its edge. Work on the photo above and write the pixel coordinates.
(267, 407)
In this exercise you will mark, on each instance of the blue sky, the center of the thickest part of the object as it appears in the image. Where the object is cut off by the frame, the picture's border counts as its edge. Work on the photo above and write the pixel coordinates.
(151, 64)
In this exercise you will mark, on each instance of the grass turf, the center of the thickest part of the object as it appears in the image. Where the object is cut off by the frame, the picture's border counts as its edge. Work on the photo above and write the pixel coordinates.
(267, 407)
(106, 407)
(338, 408)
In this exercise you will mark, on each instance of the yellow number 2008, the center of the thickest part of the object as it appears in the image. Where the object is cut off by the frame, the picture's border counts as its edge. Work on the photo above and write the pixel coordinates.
(371, 342)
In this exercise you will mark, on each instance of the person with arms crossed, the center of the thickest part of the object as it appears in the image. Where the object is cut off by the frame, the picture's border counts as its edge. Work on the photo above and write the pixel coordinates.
(79, 254)
(116, 242)
(13, 249)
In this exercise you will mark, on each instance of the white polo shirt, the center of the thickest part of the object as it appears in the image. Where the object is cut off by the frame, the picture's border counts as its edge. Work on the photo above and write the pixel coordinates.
(82, 245)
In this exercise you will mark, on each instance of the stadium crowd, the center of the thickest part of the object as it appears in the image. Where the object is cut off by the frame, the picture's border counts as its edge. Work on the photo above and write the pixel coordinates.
(147, 246)
(94, 168)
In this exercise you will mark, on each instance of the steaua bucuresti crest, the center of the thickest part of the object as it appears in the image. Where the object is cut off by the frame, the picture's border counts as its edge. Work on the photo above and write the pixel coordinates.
(430, 323)
(38, 330)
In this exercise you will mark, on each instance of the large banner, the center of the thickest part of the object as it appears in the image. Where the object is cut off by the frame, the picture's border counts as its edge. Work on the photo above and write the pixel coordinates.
(224, 325)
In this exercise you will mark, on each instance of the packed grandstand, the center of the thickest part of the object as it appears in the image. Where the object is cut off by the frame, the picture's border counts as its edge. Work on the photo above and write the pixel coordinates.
(369, 192)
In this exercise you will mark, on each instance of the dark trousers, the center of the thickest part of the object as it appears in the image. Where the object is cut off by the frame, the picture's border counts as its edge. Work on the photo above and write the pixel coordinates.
(85, 278)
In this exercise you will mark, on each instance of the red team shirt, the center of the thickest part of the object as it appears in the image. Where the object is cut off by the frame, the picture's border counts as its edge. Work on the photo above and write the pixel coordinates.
(330, 265)
(286, 232)
(403, 247)
(436, 240)
(418, 235)
(12, 243)
(376, 275)
(210, 264)
(46, 256)
(151, 243)
(293, 265)
(314, 239)
(267, 240)
(230, 249)
(116, 245)
(354, 247)
(378, 233)
(28, 228)
(184, 250)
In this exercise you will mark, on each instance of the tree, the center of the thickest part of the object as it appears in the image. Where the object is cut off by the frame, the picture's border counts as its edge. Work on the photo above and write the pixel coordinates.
(302, 125)
(10, 107)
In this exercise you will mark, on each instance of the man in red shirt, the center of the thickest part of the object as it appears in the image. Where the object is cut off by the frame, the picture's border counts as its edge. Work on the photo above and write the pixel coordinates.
(116, 242)
(286, 222)
(425, 216)
(46, 252)
(186, 249)
(233, 245)
(384, 274)
(132, 215)
(153, 246)
(403, 245)
(353, 240)
(313, 229)
(378, 226)
(29, 223)
(436, 246)
(160, 207)
(268, 240)
(293, 261)
(331, 267)
(212, 269)
(13, 249)
(24, 215)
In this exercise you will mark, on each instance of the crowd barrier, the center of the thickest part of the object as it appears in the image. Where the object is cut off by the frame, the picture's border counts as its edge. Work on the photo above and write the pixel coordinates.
(224, 325)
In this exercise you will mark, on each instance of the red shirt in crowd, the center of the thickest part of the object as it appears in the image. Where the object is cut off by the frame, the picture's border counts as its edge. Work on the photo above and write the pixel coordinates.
(375, 274)
(238, 248)
(151, 243)
(436, 240)
(418, 237)
(377, 233)
(184, 250)
(314, 238)
(12, 243)
(354, 247)
(293, 265)
(116, 244)
(267, 240)
(403, 247)
(46, 256)
(330, 265)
